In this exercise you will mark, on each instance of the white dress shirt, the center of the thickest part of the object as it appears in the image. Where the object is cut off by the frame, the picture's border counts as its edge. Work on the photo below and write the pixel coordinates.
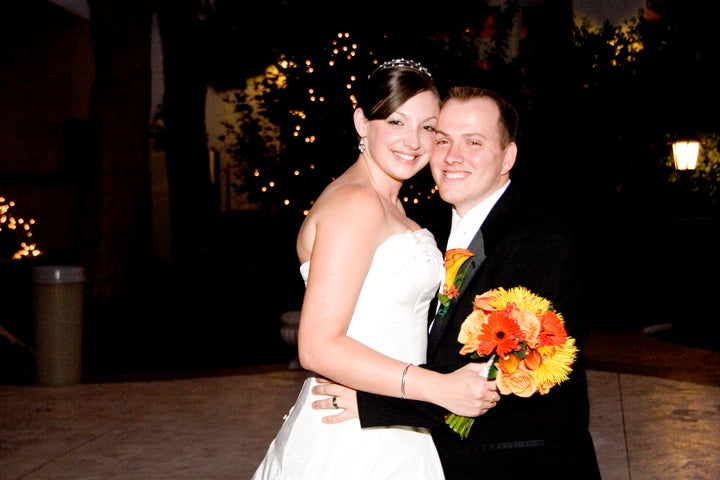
(463, 229)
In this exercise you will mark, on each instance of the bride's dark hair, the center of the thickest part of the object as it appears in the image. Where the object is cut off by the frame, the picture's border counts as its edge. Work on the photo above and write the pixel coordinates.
(390, 85)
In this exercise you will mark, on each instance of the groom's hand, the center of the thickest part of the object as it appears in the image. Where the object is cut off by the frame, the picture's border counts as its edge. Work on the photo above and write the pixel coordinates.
(336, 397)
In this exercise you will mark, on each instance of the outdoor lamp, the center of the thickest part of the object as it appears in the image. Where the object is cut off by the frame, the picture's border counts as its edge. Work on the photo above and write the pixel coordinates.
(685, 153)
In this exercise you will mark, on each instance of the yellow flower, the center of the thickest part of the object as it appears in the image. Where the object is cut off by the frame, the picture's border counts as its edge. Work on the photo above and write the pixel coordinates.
(454, 259)
(523, 298)
(454, 274)
(556, 364)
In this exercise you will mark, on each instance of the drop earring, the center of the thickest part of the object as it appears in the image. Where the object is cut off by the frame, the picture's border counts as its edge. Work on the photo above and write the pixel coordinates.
(361, 145)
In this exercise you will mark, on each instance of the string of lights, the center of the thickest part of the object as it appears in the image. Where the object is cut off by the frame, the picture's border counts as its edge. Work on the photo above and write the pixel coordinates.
(15, 234)
(299, 136)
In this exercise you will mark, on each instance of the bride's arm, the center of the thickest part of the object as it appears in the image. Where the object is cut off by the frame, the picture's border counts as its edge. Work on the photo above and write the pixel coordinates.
(346, 231)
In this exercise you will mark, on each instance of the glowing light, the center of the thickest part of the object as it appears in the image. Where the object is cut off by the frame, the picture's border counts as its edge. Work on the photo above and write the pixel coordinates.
(339, 55)
(685, 154)
(21, 227)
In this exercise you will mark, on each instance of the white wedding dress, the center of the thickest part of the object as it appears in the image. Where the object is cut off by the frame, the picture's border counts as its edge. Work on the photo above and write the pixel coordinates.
(391, 317)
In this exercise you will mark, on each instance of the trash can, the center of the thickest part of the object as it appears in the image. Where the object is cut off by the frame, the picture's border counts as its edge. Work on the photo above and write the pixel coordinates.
(57, 323)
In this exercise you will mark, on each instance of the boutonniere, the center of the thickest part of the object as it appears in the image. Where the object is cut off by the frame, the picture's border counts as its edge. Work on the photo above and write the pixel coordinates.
(456, 266)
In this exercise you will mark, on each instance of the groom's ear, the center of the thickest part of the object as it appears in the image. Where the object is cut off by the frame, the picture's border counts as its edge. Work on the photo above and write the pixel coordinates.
(509, 157)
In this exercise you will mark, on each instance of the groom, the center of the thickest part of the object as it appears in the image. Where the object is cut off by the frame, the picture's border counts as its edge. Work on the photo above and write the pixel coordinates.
(513, 246)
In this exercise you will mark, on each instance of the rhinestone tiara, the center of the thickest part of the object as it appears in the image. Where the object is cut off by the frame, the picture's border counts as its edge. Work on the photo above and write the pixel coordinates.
(401, 62)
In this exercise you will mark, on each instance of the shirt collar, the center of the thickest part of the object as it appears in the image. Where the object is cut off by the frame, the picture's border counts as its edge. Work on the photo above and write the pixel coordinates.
(463, 229)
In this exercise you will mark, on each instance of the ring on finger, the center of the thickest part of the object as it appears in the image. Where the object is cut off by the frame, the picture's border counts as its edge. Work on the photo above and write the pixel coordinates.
(334, 402)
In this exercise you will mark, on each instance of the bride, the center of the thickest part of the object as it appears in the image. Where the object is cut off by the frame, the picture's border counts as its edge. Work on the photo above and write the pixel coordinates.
(370, 274)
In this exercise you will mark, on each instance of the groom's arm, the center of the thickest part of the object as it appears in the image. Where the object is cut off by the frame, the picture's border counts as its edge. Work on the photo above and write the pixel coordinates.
(375, 410)
(378, 410)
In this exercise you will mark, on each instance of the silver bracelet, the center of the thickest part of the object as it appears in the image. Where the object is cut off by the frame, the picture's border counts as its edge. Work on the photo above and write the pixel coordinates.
(404, 377)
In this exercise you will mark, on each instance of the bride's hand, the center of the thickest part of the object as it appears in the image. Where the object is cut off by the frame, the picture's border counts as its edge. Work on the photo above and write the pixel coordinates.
(467, 392)
(337, 397)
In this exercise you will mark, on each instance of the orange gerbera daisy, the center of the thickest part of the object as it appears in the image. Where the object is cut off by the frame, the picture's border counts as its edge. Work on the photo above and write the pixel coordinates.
(501, 334)
(553, 330)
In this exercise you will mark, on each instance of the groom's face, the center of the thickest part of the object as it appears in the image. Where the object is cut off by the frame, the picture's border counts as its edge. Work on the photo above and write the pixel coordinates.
(469, 163)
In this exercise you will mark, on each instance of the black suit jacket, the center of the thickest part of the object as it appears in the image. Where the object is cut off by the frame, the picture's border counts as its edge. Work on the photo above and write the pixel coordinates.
(516, 246)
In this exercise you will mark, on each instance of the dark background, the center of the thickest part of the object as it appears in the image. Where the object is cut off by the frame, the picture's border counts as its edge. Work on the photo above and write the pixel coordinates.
(591, 148)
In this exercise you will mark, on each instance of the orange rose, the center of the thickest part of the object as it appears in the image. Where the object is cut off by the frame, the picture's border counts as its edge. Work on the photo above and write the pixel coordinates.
(520, 382)
(470, 331)
(482, 302)
(530, 325)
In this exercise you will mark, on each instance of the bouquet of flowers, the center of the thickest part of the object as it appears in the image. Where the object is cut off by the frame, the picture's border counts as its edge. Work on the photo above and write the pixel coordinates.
(523, 340)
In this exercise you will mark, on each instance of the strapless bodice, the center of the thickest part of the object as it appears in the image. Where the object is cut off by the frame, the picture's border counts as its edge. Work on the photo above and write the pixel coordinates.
(391, 312)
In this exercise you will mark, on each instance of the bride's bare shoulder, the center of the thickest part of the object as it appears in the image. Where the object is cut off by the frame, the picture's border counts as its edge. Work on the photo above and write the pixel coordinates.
(349, 208)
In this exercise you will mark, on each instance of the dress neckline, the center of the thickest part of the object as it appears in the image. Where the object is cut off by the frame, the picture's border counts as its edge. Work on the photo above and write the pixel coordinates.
(406, 232)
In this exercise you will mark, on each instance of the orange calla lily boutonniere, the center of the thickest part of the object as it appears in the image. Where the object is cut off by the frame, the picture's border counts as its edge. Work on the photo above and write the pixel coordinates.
(455, 270)
(523, 340)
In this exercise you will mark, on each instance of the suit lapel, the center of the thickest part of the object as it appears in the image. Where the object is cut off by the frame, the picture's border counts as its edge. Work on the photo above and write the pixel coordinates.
(477, 247)
(498, 222)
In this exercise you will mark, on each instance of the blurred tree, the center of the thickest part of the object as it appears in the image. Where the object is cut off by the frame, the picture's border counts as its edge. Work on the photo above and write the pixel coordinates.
(294, 129)
(192, 196)
(117, 234)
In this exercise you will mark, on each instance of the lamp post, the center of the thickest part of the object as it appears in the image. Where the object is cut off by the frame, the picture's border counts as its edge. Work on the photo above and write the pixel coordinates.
(685, 154)
(686, 149)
